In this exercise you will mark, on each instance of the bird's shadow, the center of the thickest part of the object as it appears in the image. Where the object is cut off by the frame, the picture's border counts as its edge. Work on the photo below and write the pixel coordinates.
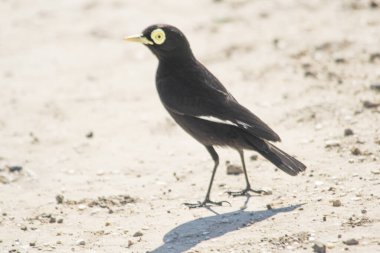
(189, 234)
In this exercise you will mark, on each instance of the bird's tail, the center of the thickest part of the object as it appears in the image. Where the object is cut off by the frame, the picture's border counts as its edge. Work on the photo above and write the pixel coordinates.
(278, 157)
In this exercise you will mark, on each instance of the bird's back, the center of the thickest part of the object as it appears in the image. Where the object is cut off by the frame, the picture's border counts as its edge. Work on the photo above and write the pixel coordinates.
(188, 88)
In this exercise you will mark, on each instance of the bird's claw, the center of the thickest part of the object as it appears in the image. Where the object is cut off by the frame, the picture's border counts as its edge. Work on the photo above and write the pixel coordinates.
(206, 203)
(246, 191)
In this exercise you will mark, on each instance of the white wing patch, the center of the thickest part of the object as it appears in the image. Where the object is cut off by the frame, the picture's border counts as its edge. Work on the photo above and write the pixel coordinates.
(244, 125)
(227, 122)
(216, 120)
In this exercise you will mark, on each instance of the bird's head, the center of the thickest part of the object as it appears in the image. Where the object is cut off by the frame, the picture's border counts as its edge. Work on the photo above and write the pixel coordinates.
(165, 41)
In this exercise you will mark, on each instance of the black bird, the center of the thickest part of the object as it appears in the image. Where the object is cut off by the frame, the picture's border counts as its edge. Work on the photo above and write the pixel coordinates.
(204, 108)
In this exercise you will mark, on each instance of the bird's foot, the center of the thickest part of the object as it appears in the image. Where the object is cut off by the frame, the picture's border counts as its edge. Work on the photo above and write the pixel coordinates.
(206, 203)
(246, 191)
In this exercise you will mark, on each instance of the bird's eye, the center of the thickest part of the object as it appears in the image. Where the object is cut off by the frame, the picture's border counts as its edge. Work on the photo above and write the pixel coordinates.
(158, 36)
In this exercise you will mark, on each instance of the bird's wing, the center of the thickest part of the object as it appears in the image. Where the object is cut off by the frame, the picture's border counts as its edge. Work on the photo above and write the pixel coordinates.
(210, 101)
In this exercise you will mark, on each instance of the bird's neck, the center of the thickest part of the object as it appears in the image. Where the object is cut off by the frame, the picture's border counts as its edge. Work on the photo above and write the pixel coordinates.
(177, 61)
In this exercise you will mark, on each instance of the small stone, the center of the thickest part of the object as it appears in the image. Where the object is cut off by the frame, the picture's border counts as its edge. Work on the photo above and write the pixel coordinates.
(332, 144)
(32, 244)
(351, 242)
(269, 207)
(340, 60)
(234, 169)
(137, 234)
(266, 191)
(348, 132)
(254, 157)
(318, 183)
(80, 242)
(375, 86)
(107, 224)
(60, 221)
(4, 180)
(373, 4)
(130, 243)
(23, 228)
(52, 220)
(319, 247)
(59, 198)
(82, 207)
(336, 203)
(374, 56)
(14, 168)
(89, 135)
(369, 104)
(364, 211)
(375, 171)
(356, 151)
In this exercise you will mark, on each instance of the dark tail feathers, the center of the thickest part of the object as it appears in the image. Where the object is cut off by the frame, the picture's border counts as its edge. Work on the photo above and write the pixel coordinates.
(278, 157)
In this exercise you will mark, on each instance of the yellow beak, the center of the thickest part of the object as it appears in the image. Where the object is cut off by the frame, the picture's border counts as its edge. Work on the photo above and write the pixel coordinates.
(139, 38)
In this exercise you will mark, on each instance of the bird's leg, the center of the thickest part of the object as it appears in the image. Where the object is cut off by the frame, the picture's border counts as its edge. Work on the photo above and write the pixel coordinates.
(207, 200)
(248, 185)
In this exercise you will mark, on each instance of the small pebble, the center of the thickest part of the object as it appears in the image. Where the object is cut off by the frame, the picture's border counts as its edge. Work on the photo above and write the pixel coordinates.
(234, 169)
(14, 168)
(60, 220)
(374, 56)
(137, 234)
(52, 220)
(348, 132)
(254, 157)
(59, 198)
(373, 4)
(369, 104)
(332, 143)
(89, 135)
(81, 242)
(336, 203)
(32, 244)
(130, 243)
(82, 207)
(319, 247)
(267, 191)
(318, 183)
(269, 207)
(356, 151)
(351, 242)
(375, 86)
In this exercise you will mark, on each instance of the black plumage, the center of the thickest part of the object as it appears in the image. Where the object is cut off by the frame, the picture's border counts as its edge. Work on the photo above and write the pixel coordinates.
(204, 108)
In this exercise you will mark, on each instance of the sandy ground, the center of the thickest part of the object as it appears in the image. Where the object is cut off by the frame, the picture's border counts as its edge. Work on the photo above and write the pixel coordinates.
(91, 162)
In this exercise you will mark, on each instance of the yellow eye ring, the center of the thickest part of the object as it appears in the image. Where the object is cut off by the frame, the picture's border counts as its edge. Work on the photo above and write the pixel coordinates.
(158, 36)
